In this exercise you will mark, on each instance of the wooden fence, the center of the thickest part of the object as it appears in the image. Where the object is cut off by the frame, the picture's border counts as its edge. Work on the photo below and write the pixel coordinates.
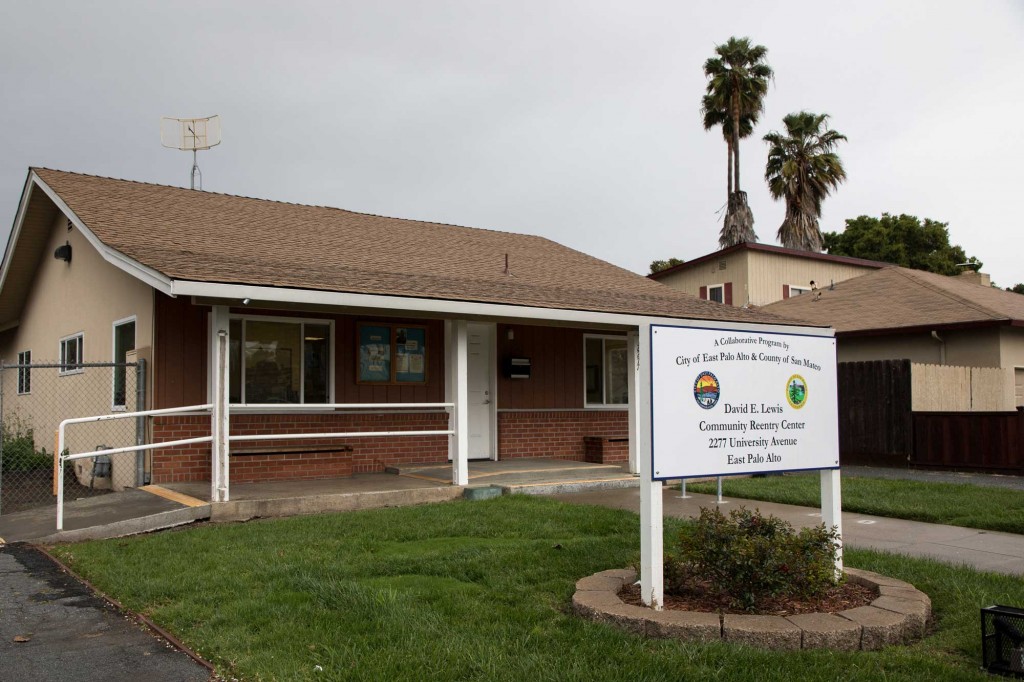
(878, 424)
(875, 425)
(983, 441)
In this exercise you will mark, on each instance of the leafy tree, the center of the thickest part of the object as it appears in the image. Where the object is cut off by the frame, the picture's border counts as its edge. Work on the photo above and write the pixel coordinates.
(903, 240)
(1016, 288)
(803, 169)
(737, 83)
(659, 265)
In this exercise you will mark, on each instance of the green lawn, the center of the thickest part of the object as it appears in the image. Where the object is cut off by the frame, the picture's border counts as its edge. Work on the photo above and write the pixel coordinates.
(470, 591)
(956, 504)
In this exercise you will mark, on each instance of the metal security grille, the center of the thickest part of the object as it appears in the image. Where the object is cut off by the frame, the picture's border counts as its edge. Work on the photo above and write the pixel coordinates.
(35, 397)
(1002, 640)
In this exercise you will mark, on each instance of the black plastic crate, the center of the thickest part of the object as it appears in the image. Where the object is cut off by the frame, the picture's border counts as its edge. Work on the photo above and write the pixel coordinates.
(1002, 640)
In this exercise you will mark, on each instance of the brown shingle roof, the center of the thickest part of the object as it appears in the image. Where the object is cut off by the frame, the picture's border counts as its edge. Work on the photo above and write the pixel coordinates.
(208, 237)
(899, 298)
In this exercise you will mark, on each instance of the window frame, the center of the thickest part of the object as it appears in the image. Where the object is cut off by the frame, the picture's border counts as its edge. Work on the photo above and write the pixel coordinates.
(113, 358)
(302, 321)
(720, 287)
(604, 373)
(78, 366)
(24, 372)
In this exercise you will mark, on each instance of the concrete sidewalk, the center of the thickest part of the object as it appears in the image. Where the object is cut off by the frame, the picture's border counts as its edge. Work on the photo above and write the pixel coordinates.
(980, 549)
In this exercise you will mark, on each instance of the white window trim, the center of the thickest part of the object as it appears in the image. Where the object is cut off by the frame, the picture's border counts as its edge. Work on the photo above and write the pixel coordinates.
(798, 288)
(26, 370)
(717, 286)
(81, 354)
(302, 376)
(601, 405)
(113, 358)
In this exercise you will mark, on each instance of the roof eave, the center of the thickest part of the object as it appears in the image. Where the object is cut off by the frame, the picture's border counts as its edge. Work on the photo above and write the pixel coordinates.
(770, 248)
(927, 328)
(152, 277)
(455, 308)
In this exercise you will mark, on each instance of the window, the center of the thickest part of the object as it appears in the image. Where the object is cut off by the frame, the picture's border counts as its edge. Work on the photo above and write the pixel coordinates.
(279, 360)
(605, 367)
(71, 354)
(796, 291)
(124, 341)
(716, 293)
(391, 353)
(24, 372)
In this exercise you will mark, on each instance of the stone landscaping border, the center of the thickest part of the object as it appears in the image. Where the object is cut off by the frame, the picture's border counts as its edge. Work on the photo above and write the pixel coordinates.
(899, 615)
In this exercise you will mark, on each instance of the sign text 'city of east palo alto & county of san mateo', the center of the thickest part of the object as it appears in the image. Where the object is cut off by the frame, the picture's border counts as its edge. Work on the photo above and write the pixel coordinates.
(738, 402)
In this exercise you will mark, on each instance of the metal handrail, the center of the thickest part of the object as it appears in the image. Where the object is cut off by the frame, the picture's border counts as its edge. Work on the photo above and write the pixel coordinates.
(208, 407)
(62, 458)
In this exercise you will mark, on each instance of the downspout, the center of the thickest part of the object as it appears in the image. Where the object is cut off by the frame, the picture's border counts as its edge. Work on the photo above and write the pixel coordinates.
(942, 348)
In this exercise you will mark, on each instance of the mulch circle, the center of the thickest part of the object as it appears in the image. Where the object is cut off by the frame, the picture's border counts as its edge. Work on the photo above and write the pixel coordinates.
(703, 599)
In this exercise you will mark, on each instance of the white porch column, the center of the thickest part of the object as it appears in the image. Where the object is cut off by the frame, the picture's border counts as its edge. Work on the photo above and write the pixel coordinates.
(632, 379)
(832, 508)
(652, 568)
(220, 418)
(457, 391)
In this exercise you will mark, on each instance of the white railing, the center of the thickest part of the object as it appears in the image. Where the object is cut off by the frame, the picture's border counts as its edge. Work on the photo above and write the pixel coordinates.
(211, 408)
(62, 458)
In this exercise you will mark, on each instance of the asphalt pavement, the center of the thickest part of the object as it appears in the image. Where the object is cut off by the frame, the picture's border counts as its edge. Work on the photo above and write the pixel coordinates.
(53, 627)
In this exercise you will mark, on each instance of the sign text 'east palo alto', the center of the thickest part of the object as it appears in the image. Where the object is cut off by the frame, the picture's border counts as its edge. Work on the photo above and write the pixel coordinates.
(741, 402)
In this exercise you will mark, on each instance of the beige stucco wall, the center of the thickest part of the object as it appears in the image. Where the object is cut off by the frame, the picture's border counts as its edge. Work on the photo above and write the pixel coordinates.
(85, 296)
(973, 347)
(966, 348)
(731, 268)
(758, 276)
(916, 348)
(770, 271)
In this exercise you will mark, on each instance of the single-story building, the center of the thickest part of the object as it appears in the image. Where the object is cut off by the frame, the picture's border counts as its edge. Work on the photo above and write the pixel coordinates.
(749, 274)
(896, 313)
(327, 312)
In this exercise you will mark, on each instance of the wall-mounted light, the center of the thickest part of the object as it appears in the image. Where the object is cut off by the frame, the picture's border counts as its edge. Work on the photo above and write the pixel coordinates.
(63, 252)
(245, 301)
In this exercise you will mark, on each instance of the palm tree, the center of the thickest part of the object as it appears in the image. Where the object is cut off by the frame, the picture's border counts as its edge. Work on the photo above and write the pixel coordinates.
(737, 84)
(803, 168)
(720, 117)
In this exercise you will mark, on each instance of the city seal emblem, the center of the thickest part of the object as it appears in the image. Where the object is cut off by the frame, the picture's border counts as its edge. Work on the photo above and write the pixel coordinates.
(706, 390)
(796, 391)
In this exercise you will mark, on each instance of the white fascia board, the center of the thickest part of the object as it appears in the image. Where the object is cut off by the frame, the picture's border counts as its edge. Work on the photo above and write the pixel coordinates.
(19, 219)
(116, 258)
(456, 309)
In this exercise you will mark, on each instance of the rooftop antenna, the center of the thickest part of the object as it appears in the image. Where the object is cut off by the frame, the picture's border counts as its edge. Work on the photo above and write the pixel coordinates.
(190, 134)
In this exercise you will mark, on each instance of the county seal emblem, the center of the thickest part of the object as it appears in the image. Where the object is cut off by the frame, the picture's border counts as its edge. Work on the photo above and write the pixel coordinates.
(706, 390)
(796, 391)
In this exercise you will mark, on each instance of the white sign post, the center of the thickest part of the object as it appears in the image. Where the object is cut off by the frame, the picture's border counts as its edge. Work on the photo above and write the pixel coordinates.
(727, 402)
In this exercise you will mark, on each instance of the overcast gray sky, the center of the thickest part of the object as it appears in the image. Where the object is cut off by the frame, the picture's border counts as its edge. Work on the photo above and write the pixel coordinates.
(578, 121)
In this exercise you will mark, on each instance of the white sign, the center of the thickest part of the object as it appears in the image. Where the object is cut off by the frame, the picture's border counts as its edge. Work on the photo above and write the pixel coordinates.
(738, 402)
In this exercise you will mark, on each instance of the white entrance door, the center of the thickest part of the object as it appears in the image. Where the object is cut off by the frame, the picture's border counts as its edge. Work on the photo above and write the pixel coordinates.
(481, 392)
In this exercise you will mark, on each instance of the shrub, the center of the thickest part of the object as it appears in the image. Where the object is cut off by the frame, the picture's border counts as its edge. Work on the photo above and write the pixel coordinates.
(749, 557)
(19, 452)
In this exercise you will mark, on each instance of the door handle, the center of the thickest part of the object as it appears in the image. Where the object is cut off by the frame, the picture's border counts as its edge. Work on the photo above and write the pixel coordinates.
(487, 402)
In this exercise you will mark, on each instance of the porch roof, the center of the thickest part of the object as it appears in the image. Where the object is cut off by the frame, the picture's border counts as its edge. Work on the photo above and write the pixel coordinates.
(208, 237)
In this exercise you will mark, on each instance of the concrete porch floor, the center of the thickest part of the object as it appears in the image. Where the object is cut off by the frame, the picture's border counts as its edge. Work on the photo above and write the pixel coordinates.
(167, 505)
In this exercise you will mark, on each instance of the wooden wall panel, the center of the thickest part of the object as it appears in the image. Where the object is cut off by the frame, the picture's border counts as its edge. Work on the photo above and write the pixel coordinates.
(180, 356)
(556, 358)
(179, 352)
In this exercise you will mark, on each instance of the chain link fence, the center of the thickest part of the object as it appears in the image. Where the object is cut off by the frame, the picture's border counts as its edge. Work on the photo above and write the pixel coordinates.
(35, 398)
